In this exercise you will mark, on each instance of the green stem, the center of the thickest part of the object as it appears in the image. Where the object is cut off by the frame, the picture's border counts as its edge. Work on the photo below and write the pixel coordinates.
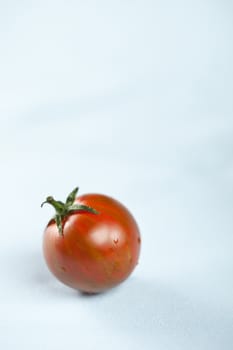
(58, 206)
(65, 209)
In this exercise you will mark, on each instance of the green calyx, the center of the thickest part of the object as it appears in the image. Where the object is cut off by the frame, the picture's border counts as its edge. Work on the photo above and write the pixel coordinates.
(67, 208)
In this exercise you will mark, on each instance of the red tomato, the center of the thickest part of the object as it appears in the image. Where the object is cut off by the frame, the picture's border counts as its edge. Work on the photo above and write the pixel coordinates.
(94, 244)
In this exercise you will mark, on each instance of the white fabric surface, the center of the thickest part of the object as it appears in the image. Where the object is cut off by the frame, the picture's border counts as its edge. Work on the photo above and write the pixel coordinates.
(132, 99)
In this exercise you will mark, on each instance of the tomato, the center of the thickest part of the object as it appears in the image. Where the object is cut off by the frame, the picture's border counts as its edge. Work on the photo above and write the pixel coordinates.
(93, 243)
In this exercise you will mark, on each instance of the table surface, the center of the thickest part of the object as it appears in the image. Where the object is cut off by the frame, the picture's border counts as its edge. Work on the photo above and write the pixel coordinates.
(134, 100)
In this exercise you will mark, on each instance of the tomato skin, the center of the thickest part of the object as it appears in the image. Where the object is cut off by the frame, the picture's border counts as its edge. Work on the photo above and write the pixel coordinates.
(96, 251)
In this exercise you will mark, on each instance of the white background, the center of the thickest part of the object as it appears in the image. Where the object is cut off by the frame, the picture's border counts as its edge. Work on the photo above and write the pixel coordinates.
(132, 99)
